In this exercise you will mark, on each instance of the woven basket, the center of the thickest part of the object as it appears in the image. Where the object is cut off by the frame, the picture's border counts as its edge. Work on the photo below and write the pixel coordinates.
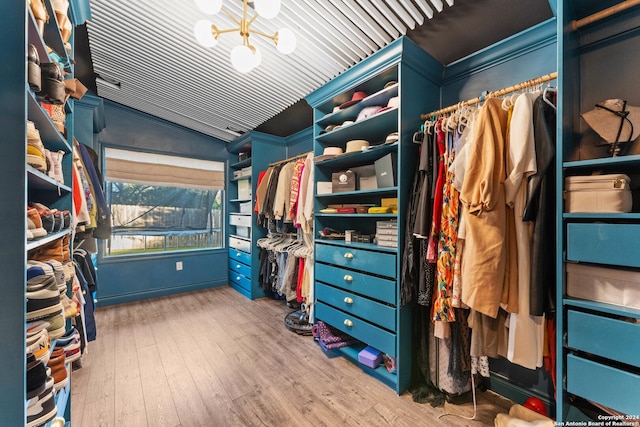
(58, 116)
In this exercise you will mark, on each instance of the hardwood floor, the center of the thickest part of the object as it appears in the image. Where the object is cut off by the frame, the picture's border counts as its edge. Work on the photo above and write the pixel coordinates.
(215, 358)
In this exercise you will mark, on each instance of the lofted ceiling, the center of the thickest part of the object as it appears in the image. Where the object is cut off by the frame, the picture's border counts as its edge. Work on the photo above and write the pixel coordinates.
(151, 62)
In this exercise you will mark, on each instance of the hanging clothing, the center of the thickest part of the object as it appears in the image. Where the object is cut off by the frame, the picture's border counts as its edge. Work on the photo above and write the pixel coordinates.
(540, 209)
(427, 166)
(432, 249)
(483, 267)
(442, 307)
(281, 204)
(296, 176)
(526, 332)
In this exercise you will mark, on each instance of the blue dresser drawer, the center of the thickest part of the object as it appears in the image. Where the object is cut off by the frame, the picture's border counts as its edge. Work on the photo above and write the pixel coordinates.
(371, 286)
(239, 267)
(615, 244)
(237, 255)
(603, 384)
(240, 280)
(374, 312)
(364, 331)
(383, 264)
(602, 336)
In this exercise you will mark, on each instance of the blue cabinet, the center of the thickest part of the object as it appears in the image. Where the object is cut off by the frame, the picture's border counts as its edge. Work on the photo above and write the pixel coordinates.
(597, 343)
(248, 155)
(357, 286)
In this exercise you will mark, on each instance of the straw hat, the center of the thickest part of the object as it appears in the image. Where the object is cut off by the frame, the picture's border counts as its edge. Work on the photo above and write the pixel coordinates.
(328, 153)
(607, 117)
(356, 145)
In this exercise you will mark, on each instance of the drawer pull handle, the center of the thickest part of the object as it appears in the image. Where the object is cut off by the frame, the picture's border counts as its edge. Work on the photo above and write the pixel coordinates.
(238, 254)
(238, 266)
(348, 300)
(238, 278)
(348, 278)
(348, 255)
(348, 323)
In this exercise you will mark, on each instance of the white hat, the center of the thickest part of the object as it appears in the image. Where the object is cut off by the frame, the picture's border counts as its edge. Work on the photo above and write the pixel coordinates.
(357, 145)
(328, 153)
(614, 120)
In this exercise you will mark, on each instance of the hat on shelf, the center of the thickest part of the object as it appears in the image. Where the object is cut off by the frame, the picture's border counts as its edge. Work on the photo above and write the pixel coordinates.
(327, 129)
(393, 103)
(356, 97)
(343, 124)
(391, 138)
(614, 120)
(368, 112)
(328, 153)
(356, 145)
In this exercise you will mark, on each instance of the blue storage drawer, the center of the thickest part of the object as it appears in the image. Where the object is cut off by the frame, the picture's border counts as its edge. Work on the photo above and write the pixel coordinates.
(360, 329)
(603, 384)
(615, 244)
(239, 267)
(240, 280)
(383, 264)
(371, 286)
(374, 312)
(602, 336)
(237, 255)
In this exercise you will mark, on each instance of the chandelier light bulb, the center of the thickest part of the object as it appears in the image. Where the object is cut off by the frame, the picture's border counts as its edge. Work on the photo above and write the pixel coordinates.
(202, 32)
(209, 7)
(286, 41)
(268, 9)
(243, 58)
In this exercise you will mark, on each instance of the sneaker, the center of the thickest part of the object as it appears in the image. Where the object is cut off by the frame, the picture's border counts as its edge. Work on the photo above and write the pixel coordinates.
(36, 378)
(33, 217)
(57, 363)
(42, 408)
(51, 83)
(58, 272)
(36, 326)
(36, 158)
(70, 308)
(33, 70)
(30, 234)
(56, 326)
(49, 251)
(38, 345)
(70, 343)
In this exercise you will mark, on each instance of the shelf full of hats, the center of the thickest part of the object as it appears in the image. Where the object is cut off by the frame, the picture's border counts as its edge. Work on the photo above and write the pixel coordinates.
(54, 302)
(363, 158)
(600, 216)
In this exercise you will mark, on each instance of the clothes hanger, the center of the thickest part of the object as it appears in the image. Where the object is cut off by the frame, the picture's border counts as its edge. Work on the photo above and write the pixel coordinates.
(549, 89)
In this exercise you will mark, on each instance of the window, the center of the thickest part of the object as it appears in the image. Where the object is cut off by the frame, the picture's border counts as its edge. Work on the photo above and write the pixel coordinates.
(162, 203)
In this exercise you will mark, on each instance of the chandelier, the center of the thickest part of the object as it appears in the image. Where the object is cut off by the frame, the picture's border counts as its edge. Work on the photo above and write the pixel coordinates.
(244, 57)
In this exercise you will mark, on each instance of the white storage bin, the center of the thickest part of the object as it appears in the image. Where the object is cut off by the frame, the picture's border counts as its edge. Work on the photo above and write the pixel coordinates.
(243, 231)
(607, 285)
(240, 244)
(245, 207)
(244, 189)
(240, 220)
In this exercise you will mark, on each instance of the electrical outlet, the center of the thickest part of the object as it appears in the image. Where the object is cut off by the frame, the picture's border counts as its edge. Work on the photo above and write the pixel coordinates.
(178, 265)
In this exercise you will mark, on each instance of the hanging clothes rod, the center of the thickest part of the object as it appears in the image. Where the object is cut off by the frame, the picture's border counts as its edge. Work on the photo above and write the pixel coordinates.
(577, 24)
(516, 87)
(279, 162)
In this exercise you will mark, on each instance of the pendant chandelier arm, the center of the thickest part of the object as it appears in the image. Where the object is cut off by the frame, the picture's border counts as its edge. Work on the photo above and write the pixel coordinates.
(274, 37)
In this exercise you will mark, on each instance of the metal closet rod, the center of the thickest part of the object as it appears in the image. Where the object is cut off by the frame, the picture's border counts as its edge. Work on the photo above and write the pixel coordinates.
(577, 24)
(516, 87)
(290, 158)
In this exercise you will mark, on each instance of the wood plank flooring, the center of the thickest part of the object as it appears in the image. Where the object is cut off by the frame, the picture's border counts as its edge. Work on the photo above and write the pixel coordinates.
(215, 358)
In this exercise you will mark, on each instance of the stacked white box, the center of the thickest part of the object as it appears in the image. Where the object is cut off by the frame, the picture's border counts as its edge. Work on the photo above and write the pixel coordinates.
(387, 233)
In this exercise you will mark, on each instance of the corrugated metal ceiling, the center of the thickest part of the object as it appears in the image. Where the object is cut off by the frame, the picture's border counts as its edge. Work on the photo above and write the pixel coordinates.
(149, 50)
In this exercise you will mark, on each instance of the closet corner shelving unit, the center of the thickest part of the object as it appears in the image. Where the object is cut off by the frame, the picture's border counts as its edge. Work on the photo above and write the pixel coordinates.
(22, 184)
(357, 285)
(598, 344)
(243, 228)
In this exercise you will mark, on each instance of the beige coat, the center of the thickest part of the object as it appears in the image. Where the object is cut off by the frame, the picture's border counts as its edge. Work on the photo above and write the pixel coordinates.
(483, 267)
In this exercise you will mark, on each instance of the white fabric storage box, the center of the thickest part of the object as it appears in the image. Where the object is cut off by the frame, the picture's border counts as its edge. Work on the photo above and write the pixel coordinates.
(242, 231)
(244, 189)
(598, 194)
(241, 220)
(240, 244)
(608, 285)
(245, 207)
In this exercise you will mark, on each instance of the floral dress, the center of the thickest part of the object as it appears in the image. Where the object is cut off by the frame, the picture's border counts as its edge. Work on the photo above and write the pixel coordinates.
(448, 236)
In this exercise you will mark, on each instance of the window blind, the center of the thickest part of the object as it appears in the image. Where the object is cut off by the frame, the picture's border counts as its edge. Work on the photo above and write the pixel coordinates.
(163, 170)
